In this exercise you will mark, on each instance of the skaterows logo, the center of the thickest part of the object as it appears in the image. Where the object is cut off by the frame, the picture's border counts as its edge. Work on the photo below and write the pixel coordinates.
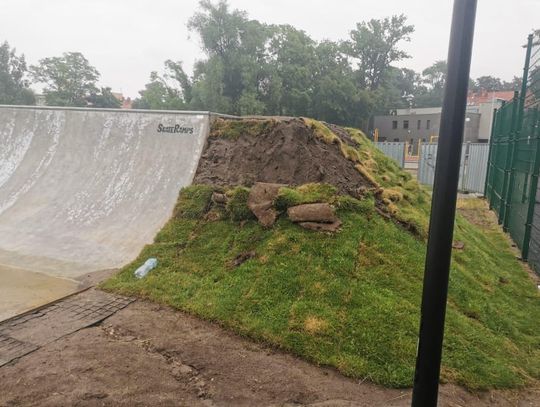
(174, 129)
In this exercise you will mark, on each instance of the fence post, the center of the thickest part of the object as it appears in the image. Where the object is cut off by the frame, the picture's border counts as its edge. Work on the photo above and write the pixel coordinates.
(443, 207)
(533, 188)
(494, 155)
(517, 123)
(508, 165)
(487, 184)
(515, 134)
(526, 67)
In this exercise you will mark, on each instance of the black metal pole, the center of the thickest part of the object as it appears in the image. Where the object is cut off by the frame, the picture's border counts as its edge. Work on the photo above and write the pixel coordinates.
(443, 206)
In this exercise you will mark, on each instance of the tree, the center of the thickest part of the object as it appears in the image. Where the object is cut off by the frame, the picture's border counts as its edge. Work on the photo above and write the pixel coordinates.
(232, 76)
(104, 99)
(433, 79)
(375, 45)
(489, 83)
(159, 95)
(14, 87)
(170, 91)
(293, 54)
(70, 79)
(514, 84)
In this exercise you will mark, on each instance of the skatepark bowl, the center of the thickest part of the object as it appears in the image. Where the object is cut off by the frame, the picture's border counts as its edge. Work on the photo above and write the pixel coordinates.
(83, 190)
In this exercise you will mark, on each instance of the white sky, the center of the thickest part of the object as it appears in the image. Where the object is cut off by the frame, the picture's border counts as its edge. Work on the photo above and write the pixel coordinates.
(127, 39)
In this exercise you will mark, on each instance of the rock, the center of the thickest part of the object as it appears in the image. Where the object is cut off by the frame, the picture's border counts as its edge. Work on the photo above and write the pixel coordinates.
(219, 198)
(317, 212)
(261, 200)
(458, 245)
(321, 227)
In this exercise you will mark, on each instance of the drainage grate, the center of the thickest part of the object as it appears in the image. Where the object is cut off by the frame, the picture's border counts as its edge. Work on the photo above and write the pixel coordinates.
(22, 335)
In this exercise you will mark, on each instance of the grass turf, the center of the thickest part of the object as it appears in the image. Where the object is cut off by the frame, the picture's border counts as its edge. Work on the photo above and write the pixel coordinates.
(349, 300)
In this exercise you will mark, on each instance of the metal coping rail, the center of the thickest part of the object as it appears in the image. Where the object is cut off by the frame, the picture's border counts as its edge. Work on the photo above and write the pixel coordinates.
(101, 109)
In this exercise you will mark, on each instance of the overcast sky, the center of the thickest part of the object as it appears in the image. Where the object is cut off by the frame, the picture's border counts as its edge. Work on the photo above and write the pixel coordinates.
(127, 39)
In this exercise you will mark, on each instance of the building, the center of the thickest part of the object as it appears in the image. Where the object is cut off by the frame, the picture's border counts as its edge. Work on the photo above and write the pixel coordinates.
(485, 103)
(127, 103)
(414, 124)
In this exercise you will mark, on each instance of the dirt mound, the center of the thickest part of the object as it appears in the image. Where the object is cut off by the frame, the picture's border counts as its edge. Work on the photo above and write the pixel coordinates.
(285, 151)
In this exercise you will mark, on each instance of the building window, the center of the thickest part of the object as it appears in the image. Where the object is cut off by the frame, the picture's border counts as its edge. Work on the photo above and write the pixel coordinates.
(396, 140)
(394, 124)
(419, 124)
(405, 124)
(428, 124)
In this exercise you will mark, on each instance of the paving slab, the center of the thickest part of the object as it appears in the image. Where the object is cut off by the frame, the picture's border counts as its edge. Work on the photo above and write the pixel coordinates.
(30, 331)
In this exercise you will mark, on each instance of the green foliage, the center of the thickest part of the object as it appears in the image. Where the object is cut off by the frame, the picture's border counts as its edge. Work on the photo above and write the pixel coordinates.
(308, 193)
(321, 131)
(14, 87)
(69, 80)
(375, 45)
(351, 299)
(232, 129)
(171, 91)
(193, 202)
(104, 99)
(237, 207)
(346, 203)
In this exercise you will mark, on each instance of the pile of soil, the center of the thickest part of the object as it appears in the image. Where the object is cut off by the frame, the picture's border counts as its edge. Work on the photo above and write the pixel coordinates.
(285, 152)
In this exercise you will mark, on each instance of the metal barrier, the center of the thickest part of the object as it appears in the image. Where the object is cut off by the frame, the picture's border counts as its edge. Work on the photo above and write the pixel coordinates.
(514, 160)
(475, 162)
(472, 168)
(394, 150)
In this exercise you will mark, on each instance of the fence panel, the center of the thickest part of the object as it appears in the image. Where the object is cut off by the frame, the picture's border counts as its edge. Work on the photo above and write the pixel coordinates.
(394, 150)
(426, 163)
(472, 169)
(475, 168)
(514, 161)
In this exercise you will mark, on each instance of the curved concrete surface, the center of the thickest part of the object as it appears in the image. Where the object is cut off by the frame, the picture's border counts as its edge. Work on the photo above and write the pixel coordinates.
(84, 190)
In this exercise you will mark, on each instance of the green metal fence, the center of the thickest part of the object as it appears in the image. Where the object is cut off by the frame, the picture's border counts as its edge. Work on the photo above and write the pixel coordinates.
(514, 158)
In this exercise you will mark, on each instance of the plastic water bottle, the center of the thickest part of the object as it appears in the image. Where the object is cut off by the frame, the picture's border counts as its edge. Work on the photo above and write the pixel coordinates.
(146, 267)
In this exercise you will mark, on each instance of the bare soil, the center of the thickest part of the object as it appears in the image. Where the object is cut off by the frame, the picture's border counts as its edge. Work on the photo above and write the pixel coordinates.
(149, 355)
(287, 153)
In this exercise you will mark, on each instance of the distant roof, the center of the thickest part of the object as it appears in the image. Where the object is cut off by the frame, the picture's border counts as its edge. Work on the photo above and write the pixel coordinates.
(477, 98)
(127, 103)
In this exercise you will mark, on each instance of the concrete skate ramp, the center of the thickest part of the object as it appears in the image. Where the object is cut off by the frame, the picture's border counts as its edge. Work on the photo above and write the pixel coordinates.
(84, 190)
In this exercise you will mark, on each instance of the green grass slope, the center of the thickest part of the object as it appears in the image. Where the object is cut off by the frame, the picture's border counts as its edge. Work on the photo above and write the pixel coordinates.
(350, 299)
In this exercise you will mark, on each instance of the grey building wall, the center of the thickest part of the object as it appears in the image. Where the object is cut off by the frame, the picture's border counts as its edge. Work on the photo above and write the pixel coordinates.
(413, 127)
(486, 110)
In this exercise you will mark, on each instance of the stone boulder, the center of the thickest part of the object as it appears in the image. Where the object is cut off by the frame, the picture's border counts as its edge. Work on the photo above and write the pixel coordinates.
(321, 227)
(261, 200)
(315, 212)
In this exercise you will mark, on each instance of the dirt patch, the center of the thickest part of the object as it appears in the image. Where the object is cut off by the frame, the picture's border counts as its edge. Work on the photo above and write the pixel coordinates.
(147, 355)
(285, 152)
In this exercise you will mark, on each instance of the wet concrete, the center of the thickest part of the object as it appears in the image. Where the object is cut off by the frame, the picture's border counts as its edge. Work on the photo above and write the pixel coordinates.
(83, 190)
(22, 290)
